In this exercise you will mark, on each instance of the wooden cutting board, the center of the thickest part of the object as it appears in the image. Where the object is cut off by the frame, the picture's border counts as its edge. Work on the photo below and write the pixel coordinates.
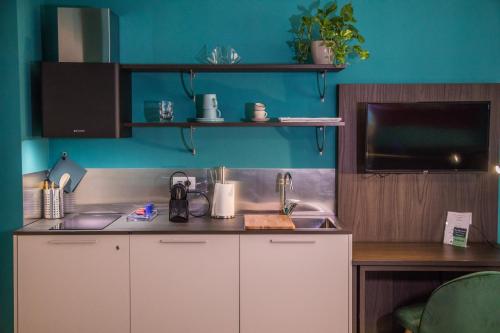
(268, 222)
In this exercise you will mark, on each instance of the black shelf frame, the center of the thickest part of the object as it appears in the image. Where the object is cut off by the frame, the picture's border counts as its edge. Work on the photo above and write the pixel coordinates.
(189, 124)
(235, 68)
(192, 125)
(192, 69)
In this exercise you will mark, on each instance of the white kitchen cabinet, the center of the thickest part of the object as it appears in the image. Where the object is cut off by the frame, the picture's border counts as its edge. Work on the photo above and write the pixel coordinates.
(184, 283)
(295, 283)
(73, 284)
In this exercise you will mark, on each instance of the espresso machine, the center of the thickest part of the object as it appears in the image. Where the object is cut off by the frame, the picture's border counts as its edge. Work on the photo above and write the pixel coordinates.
(179, 210)
(178, 207)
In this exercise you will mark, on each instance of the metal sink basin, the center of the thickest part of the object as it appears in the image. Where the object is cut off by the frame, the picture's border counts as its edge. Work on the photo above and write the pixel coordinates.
(314, 223)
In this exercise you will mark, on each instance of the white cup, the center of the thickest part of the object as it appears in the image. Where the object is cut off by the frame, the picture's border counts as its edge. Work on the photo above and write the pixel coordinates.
(259, 107)
(206, 101)
(260, 114)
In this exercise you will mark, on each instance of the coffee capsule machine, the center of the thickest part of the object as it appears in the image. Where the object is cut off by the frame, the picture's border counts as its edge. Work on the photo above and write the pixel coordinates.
(178, 208)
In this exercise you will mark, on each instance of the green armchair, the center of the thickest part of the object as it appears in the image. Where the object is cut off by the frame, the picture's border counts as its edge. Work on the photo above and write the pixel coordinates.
(468, 304)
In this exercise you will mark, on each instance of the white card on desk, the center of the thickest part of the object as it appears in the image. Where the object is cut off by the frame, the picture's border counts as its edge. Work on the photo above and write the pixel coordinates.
(456, 230)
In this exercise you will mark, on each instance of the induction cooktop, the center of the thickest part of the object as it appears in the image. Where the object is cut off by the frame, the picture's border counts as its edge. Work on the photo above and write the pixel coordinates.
(86, 222)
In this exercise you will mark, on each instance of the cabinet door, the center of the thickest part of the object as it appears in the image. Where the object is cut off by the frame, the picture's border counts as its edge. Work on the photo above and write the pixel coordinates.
(73, 284)
(184, 283)
(294, 283)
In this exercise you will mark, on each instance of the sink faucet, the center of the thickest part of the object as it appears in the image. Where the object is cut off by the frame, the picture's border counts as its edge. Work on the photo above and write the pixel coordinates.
(285, 206)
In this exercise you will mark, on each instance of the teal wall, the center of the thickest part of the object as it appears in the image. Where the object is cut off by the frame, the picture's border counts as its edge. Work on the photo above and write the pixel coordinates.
(413, 41)
(410, 41)
(35, 155)
(35, 150)
(21, 147)
(10, 150)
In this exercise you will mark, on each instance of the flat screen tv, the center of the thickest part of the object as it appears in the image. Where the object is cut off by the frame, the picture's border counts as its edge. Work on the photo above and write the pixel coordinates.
(426, 137)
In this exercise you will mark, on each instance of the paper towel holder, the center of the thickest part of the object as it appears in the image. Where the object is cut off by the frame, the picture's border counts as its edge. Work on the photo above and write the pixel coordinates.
(223, 203)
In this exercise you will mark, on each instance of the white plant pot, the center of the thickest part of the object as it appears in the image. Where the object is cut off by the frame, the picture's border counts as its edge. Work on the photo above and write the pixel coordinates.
(321, 54)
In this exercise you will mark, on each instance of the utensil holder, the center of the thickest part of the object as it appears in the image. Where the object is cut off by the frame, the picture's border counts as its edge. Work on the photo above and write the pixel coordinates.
(53, 203)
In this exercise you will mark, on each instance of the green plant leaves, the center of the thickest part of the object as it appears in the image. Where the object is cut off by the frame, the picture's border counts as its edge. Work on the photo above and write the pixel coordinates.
(332, 8)
(346, 34)
(363, 54)
(347, 12)
(336, 30)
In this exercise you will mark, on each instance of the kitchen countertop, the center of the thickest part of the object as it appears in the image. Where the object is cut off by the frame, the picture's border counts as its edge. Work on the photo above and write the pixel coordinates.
(161, 225)
(424, 254)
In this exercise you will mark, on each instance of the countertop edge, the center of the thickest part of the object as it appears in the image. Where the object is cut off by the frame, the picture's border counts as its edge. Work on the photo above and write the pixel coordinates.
(448, 263)
(186, 232)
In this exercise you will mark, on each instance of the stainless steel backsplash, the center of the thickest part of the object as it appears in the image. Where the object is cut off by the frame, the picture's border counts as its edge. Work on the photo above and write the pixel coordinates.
(256, 189)
(34, 179)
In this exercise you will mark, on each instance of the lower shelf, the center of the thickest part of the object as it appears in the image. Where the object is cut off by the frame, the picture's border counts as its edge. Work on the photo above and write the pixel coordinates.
(191, 125)
(235, 124)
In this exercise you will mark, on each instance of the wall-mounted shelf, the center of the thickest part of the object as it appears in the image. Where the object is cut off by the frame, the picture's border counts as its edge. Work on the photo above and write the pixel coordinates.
(236, 68)
(191, 125)
(192, 69)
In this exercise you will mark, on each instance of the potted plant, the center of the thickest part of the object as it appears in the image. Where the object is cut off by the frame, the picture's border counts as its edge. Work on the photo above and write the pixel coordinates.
(328, 37)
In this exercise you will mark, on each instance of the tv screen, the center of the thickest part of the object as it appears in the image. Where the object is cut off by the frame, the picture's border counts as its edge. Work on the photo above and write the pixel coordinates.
(421, 137)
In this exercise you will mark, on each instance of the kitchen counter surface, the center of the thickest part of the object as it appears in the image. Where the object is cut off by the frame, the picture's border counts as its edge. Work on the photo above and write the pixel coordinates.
(161, 225)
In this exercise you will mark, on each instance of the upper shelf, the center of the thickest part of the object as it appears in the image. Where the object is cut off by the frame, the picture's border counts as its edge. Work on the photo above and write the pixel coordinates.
(235, 68)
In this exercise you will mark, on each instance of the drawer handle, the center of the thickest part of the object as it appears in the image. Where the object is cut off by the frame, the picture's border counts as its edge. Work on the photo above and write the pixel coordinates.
(77, 242)
(274, 241)
(182, 242)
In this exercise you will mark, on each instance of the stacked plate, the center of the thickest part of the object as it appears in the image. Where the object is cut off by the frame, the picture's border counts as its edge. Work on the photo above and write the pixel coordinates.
(70, 202)
(32, 203)
(209, 120)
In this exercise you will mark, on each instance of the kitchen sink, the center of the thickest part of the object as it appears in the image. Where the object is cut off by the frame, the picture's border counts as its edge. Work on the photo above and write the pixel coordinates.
(314, 223)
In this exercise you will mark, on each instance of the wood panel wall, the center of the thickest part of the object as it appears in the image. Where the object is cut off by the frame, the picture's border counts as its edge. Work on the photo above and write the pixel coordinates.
(412, 207)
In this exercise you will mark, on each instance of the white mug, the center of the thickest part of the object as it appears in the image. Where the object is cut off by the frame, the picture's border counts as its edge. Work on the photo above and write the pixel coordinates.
(260, 114)
(259, 107)
(206, 101)
(210, 113)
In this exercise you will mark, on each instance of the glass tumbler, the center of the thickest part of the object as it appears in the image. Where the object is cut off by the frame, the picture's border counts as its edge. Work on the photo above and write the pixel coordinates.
(166, 110)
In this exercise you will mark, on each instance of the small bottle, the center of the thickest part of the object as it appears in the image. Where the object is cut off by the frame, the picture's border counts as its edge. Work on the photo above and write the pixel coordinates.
(148, 209)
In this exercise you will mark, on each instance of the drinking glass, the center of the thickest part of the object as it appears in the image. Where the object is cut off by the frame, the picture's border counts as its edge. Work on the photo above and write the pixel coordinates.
(166, 110)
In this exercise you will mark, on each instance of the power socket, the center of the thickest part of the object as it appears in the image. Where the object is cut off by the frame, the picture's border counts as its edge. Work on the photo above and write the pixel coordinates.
(182, 180)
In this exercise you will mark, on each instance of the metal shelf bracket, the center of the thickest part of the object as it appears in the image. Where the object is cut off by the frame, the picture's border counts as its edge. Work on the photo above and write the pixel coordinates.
(321, 90)
(191, 145)
(189, 91)
(321, 145)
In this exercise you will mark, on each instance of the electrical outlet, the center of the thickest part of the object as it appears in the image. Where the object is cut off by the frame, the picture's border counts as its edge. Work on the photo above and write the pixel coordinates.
(182, 180)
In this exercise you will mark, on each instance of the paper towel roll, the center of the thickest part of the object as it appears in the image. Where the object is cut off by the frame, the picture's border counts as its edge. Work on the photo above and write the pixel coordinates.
(223, 202)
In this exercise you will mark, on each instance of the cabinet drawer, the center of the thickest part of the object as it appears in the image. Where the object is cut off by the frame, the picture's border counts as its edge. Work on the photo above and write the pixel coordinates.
(185, 283)
(294, 283)
(73, 283)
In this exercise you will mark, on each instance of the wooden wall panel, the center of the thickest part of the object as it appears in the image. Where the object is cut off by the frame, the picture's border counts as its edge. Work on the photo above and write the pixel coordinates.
(412, 207)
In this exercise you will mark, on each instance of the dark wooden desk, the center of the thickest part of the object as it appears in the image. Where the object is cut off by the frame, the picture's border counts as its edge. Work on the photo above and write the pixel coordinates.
(389, 275)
